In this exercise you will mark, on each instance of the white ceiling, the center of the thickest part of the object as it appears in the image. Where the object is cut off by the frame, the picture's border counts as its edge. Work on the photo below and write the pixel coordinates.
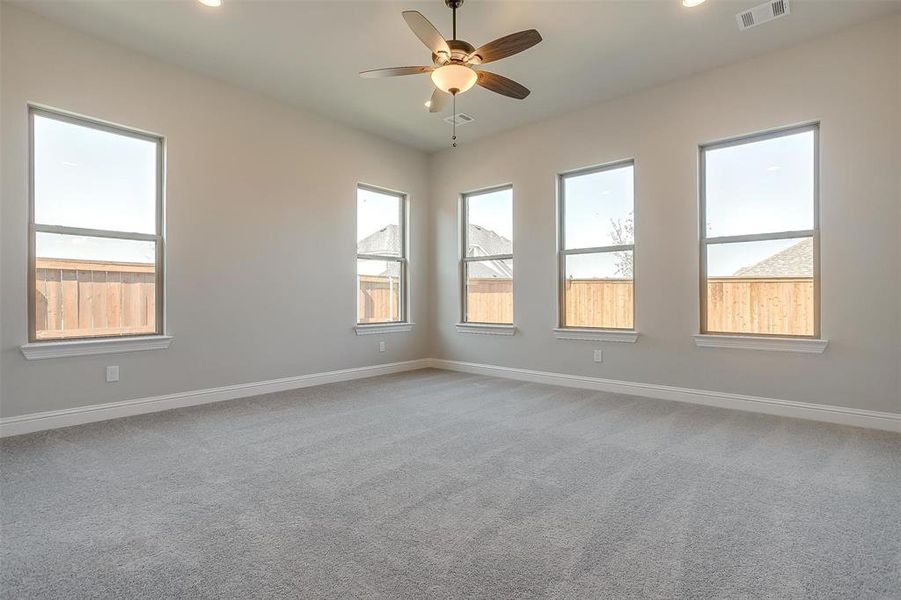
(308, 53)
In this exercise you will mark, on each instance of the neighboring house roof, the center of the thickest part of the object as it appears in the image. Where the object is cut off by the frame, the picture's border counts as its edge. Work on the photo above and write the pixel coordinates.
(384, 241)
(485, 242)
(482, 242)
(794, 261)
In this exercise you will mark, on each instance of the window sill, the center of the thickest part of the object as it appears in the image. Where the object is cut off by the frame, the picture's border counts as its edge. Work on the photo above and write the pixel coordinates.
(486, 329)
(64, 348)
(596, 335)
(776, 344)
(378, 328)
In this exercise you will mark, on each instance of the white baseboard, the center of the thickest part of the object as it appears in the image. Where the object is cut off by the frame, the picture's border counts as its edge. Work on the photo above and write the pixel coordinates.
(101, 412)
(771, 406)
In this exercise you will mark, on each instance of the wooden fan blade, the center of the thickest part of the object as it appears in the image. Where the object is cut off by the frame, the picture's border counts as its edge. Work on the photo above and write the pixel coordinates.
(425, 31)
(502, 85)
(395, 71)
(438, 101)
(504, 47)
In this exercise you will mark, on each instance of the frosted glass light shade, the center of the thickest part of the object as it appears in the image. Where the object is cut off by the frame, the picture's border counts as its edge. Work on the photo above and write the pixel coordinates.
(458, 78)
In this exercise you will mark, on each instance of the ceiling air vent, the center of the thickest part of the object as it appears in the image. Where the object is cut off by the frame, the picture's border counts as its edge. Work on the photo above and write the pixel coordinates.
(762, 13)
(459, 119)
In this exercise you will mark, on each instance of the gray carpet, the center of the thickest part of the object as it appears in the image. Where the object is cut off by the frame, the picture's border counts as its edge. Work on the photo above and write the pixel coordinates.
(442, 485)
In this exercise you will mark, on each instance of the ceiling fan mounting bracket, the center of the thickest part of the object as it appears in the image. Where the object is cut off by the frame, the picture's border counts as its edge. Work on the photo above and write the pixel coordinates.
(453, 4)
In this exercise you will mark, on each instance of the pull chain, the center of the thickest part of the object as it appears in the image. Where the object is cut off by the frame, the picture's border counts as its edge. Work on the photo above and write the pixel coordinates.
(454, 121)
(454, 92)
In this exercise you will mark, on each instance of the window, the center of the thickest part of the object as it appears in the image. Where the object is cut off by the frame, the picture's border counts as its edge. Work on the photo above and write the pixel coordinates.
(488, 256)
(759, 235)
(597, 247)
(95, 230)
(381, 256)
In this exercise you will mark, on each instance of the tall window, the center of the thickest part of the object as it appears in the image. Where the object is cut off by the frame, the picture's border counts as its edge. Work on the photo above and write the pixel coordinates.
(759, 235)
(597, 247)
(488, 256)
(96, 222)
(381, 256)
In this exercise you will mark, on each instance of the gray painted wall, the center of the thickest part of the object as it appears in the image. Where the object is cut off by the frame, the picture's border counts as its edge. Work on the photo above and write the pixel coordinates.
(848, 81)
(261, 197)
(269, 188)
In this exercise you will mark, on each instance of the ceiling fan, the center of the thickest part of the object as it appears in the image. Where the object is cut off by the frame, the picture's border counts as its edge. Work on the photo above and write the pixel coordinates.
(456, 62)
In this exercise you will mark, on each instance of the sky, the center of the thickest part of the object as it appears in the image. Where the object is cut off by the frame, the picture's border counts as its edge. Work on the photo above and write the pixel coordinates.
(375, 210)
(761, 187)
(492, 210)
(96, 179)
(592, 203)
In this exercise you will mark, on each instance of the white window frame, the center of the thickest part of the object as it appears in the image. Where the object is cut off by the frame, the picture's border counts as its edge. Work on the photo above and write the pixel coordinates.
(69, 346)
(404, 310)
(707, 337)
(466, 326)
(610, 334)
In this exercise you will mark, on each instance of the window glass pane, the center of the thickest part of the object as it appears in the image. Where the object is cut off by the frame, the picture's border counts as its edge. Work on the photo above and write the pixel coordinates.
(597, 209)
(489, 219)
(95, 179)
(761, 287)
(598, 290)
(378, 223)
(489, 291)
(89, 286)
(761, 187)
(379, 291)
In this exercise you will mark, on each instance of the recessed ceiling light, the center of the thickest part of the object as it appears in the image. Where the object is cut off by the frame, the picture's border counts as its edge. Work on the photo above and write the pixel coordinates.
(688, 3)
(213, 3)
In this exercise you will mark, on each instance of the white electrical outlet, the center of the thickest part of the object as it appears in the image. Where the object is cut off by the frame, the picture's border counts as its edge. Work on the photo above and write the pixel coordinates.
(381, 346)
(598, 356)
(112, 374)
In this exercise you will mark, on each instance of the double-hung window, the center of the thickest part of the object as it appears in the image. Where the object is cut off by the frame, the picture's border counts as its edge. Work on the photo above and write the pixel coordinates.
(381, 256)
(597, 247)
(487, 265)
(95, 229)
(760, 235)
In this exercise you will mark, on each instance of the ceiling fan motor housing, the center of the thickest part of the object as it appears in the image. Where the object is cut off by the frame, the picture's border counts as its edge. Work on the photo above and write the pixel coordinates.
(459, 51)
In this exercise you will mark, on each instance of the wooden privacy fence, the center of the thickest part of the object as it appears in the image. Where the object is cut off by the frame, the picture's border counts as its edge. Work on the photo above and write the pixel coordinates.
(378, 299)
(589, 302)
(89, 298)
(599, 303)
(770, 305)
(76, 298)
(783, 306)
(489, 300)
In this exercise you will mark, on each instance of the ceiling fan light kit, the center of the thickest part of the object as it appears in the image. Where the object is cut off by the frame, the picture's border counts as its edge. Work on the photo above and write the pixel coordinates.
(457, 62)
(454, 78)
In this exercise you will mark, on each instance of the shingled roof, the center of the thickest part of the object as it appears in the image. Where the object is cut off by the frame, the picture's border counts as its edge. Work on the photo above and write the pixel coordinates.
(384, 241)
(485, 242)
(794, 261)
(482, 242)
